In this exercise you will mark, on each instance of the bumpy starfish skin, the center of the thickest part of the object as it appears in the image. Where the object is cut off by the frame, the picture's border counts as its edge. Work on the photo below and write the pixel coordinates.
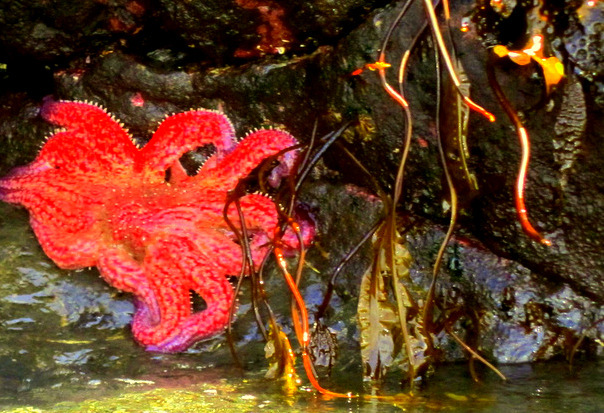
(95, 199)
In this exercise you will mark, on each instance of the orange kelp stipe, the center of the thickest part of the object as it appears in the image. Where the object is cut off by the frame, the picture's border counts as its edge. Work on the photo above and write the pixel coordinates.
(381, 67)
(525, 146)
(305, 337)
(520, 183)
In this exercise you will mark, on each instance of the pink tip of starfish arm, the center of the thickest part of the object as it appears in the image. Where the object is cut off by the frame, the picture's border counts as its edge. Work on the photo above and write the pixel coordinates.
(250, 152)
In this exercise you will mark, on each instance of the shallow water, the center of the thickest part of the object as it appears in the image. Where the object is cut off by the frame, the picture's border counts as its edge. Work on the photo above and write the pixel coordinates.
(174, 383)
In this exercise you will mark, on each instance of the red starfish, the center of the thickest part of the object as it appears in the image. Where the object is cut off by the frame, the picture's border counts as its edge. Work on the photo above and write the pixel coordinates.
(95, 199)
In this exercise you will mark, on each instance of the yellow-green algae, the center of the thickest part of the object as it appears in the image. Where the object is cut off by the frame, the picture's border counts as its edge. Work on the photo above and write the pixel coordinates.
(215, 398)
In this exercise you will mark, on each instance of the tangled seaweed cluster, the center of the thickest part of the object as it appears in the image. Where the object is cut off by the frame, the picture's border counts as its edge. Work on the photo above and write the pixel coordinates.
(393, 321)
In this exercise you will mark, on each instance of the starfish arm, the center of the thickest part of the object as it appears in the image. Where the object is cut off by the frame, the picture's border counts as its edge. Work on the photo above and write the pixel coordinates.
(91, 142)
(213, 247)
(63, 219)
(69, 250)
(121, 271)
(51, 195)
(177, 266)
(218, 295)
(211, 284)
(173, 299)
(246, 156)
(24, 186)
(20, 186)
(184, 132)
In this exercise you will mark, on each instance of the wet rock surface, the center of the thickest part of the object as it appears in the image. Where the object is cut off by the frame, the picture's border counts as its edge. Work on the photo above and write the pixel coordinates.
(514, 314)
(144, 60)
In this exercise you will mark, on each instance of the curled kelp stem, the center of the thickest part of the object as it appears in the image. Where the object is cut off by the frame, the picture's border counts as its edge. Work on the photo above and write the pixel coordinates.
(525, 146)
(428, 315)
(389, 235)
(300, 317)
(416, 324)
(430, 301)
(247, 267)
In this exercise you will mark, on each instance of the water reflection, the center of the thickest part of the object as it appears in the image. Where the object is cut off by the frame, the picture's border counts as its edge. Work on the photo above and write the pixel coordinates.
(177, 385)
